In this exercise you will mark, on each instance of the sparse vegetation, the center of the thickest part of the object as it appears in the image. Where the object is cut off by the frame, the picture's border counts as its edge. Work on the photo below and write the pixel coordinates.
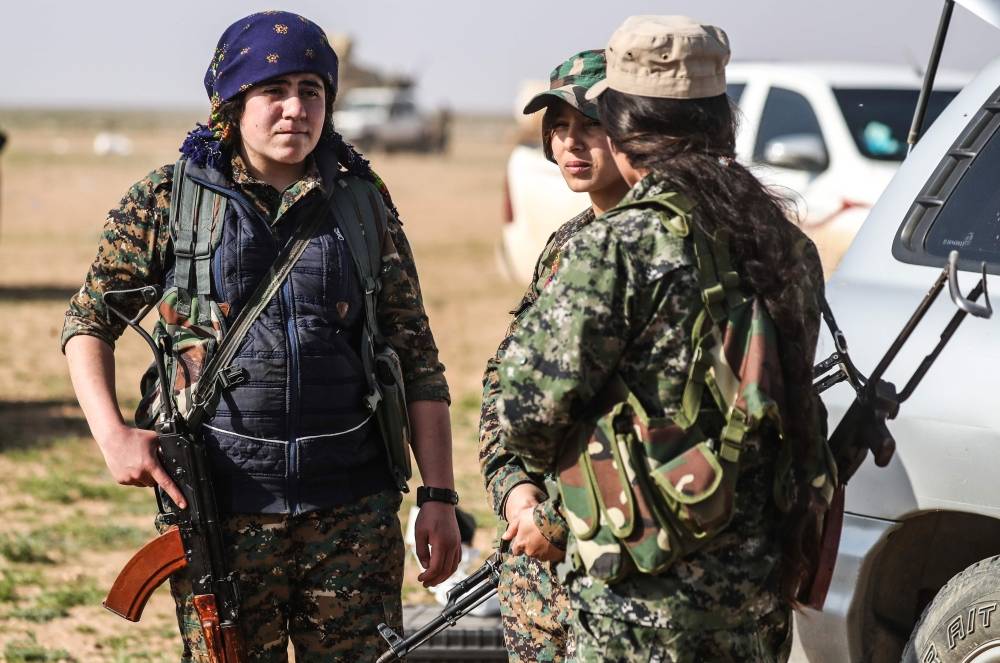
(68, 489)
(13, 579)
(56, 602)
(28, 650)
(50, 544)
(25, 549)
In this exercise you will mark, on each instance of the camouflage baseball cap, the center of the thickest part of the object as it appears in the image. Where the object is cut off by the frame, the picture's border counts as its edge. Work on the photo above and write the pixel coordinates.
(570, 81)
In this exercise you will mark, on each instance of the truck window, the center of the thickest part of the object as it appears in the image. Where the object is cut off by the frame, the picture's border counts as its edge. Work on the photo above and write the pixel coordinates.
(879, 119)
(970, 219)
(785, 113)
(958, 208)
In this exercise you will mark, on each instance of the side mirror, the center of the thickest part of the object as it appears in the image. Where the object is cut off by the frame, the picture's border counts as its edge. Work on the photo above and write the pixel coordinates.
(798, 152)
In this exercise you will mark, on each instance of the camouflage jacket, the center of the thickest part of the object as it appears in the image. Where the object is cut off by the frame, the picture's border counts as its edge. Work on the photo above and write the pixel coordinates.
(501, 469)
(621, 301)
(135, 250)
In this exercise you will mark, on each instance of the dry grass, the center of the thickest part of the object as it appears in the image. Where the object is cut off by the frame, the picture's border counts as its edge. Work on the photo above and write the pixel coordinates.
(67, 528)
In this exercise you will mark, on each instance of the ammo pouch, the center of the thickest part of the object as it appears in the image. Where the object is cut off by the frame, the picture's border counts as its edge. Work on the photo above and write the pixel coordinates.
(641, 492)
(627, 510)
(393, 419)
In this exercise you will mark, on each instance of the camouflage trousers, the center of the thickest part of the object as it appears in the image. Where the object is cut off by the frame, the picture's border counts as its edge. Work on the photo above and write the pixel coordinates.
(535, 612)
(323, 580)
(605, 639)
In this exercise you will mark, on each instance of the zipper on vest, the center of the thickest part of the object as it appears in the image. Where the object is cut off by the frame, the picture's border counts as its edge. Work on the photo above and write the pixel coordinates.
(294, 405)
(287, 305)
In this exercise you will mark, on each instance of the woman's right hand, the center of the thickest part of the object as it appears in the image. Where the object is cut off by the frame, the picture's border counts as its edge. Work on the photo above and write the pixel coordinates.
(522, 496)
(131, 456)
(522, 533)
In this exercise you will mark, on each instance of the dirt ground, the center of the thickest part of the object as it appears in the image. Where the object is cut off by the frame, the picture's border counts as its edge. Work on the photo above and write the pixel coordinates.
(67, 528)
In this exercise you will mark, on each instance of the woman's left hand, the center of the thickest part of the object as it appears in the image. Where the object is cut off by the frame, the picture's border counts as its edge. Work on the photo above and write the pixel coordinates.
(526, 539)
(439, 547)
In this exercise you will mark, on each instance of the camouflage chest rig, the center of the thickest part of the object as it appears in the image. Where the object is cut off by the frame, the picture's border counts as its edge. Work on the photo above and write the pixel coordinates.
(640, 492)
(192, 325)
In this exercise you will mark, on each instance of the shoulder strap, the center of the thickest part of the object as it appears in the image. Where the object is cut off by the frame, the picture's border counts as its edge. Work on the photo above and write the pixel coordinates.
(677, 206)
(361, 216)
(216, 373)
(195, 227)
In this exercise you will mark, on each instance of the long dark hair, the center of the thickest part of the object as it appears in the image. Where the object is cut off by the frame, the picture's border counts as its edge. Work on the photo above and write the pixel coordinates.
(227, 124)
(690, 145)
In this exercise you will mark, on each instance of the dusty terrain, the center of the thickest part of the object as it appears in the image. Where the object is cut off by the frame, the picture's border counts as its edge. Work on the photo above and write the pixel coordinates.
(66, 527)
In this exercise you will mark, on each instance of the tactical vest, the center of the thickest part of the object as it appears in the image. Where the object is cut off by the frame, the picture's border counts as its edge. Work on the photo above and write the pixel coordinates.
(641, 492)
(292, 423)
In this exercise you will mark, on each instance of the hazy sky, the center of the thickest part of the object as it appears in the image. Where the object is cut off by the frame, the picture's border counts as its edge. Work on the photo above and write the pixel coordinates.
(469, 54)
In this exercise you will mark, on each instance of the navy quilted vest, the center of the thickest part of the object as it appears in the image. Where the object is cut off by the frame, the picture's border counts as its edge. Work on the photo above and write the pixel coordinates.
(294, 436)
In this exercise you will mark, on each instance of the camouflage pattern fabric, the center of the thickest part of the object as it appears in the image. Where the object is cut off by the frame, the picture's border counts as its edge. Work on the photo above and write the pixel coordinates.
(570, 82)
(623, 302)
(323, 580)
(535, 612)
(533, 602)
(135, 248)
(501, 469)
(725, 593)
(605, 639)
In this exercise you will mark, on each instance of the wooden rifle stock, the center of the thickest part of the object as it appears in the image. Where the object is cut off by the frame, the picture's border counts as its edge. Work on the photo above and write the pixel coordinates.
(224, 642)
(146, 571)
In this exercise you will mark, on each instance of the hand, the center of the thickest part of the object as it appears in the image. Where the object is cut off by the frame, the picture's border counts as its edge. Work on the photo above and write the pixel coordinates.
(130, 454)
(526, 539)
(522, 496)
(439, 547)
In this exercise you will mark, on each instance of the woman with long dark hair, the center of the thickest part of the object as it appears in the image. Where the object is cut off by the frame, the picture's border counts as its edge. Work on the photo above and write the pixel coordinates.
(690, 312)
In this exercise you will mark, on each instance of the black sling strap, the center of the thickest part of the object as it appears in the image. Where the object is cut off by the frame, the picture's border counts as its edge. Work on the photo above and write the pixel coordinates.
(217, 372)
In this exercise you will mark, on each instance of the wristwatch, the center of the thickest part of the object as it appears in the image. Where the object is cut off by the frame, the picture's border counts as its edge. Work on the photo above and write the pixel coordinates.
(428, 494)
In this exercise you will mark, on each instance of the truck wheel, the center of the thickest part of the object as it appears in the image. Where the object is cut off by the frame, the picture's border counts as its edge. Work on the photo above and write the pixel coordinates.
(962, 623)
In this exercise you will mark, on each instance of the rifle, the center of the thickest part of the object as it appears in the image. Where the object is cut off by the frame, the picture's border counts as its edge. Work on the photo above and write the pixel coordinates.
(462, 599)
(194, 536)
(863, 427)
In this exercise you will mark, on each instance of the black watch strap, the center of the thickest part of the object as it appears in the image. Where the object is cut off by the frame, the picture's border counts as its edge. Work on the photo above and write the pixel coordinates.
(429, 494)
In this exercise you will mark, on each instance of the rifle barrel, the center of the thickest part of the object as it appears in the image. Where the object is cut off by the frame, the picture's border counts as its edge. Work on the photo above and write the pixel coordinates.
(448, 617)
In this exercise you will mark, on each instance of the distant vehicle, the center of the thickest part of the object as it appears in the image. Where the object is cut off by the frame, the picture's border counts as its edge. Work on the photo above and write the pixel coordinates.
(388, 118)
(830, 136)
(112, 143)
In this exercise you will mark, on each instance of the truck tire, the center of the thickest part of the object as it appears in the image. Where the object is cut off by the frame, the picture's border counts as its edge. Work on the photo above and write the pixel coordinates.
(962, 623)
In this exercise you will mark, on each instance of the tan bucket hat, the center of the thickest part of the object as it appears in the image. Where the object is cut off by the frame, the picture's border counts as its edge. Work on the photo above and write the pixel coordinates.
(672, 57)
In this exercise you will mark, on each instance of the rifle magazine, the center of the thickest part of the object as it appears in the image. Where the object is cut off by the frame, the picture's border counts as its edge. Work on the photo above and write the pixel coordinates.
(146, 571)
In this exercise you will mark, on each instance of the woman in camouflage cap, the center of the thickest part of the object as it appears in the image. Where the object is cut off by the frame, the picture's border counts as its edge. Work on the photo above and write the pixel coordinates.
(299, 465)
(533, 602)
(673, 567)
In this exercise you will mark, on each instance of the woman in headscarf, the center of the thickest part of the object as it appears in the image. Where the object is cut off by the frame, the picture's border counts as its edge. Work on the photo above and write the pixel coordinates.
(301, 470)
